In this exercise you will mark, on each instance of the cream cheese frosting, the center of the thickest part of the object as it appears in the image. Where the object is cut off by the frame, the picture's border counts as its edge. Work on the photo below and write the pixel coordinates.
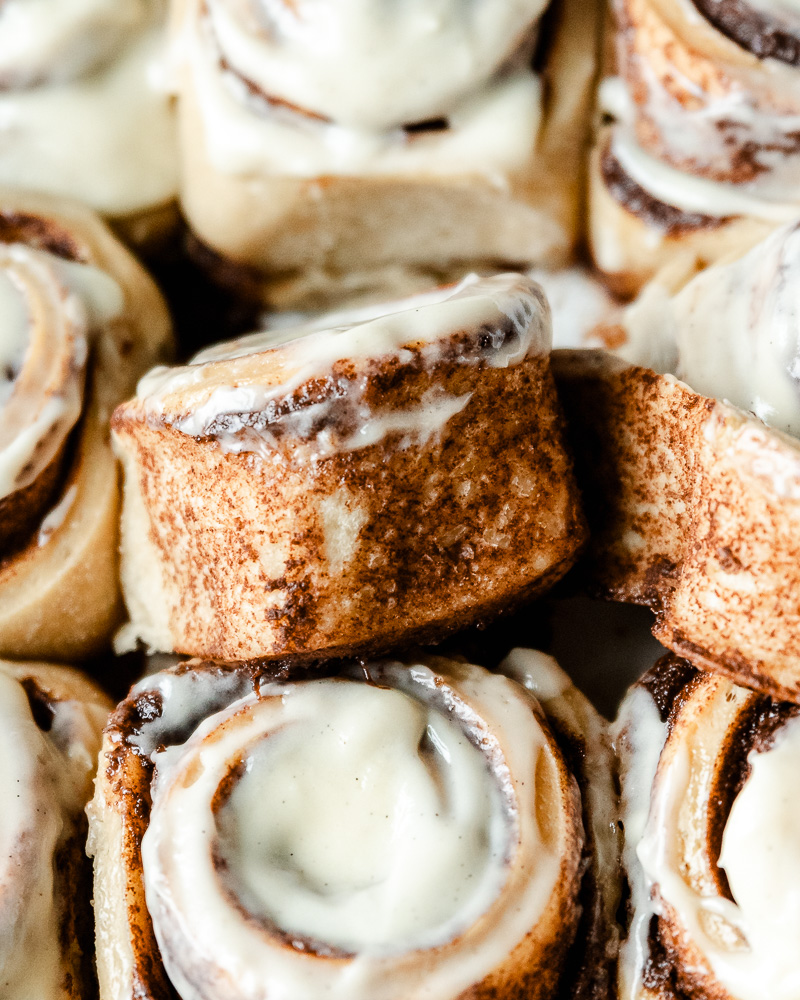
(341, 838)
(225, 391)
(84, 107)
(49, 309)
(367, 821)
(308, 89)
(731, 332)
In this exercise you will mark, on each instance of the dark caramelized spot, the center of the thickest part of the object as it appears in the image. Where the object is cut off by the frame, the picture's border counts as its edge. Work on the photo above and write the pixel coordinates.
(42, 708)
(665, 681)
(430, 125)
(759, 33)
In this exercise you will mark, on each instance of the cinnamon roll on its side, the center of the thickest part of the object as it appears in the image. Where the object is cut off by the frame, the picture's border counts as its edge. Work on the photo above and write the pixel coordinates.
(704, 149)
(84, 108)
(392, 830)
(694, 504)
(382, 147)
(350, 484)
(708, 775)
(52, 720)
(81, 320)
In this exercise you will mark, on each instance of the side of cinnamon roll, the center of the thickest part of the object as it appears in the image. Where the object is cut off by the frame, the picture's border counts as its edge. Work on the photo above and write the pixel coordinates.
(694, 503)
(52, 719)
(399, 829)
(383, 147)
(346, 485)
(84, 108)
(711, 830)
(81, 320)
(703, 152)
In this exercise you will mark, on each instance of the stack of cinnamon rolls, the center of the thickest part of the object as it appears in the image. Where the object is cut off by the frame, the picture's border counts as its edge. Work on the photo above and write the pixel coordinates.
(334, 788)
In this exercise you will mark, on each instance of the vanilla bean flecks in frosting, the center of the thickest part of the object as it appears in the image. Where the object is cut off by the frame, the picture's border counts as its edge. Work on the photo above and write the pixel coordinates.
(49, 309)
(84, 109)
(391, 831)
(732, 332)
(342, 765)
(312, 382)
(45, 782)
(362, 87)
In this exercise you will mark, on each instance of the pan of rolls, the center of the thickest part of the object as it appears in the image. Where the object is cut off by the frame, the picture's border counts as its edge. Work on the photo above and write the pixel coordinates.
(399, 499)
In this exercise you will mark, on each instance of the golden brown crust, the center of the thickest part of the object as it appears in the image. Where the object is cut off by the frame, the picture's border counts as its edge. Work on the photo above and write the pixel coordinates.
(232, 557)
(693, 508)
(61, 599)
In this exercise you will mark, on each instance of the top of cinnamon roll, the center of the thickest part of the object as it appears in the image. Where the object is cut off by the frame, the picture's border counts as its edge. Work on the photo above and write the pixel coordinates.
(313, 381)
(84, 110)
(313, 88)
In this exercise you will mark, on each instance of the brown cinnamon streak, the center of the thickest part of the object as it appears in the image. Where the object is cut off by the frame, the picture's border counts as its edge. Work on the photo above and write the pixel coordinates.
(758, 33)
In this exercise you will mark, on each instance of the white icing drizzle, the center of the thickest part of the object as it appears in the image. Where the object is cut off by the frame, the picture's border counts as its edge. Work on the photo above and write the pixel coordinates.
(56, 517)
(84, 110)
(639, 736)
(418, 822)
(49, 309)
(732, 332)
(44, 784)
(366, 70)
(221, 394)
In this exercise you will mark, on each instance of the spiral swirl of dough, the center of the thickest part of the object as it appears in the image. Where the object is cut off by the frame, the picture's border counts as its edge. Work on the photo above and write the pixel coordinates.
(341, 838)
(711, 827)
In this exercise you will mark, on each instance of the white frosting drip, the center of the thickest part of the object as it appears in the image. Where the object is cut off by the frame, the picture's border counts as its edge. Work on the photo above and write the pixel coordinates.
(382, 820)
(639, 736)
(511, 310)
(369, 69)
(85, 112)
(44, 784)
(732, 332)
(49, 307)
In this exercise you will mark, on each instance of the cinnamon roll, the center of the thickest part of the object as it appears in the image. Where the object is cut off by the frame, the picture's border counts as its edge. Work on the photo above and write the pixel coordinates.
(52, 720)
(394, 830)
(381, 147)
(348, 484)
(711, 827)
(704, 150)
(81, 320)
(694, 503)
